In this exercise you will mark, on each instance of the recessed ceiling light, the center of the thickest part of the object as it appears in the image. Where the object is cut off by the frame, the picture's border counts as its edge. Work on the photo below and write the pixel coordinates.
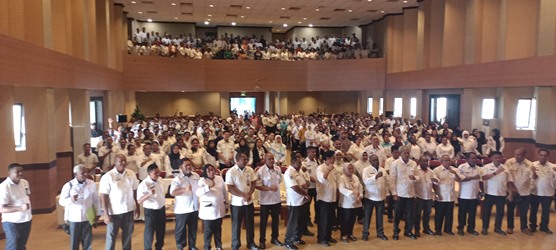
(176, 18)
(404, 1)
(140, 12)
(350, 10)
(207, 23)
(277, 30)
(285, 25)
(270, 21)
(304, 18)
(283, 8)
(317, 10)
(211, 5)
(233, 23)
(242, 16)
(174, 4)
(299, 22)
(311, 25)
(209, 15)
(248, 7)
(370, 0)
(149, 20)
(382, 11)
(208, 19)
(133, 2)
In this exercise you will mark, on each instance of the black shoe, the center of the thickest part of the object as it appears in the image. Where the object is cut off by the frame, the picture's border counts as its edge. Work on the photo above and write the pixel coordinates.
(450, 233)
(410, 235)
(390, 220)
(532, 229)
(460, 232)
(429, 232)
(308, 233)
(253, 247)
(193, 248)
(276, 242)
(324, 243)
(262, 245)
(500, 232)
(299, 242)
(546, 231)
(345, 240)
(291, 246)
(382, 237)
(66, 228)
(417, 234)
(396, 236)
(438, 233)
(350, 237)
(332, 240)
(484, 232)
(473, 232)
(365, 238)
(310, 224)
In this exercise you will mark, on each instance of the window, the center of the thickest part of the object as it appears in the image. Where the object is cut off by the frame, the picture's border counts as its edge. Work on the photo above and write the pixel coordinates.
(398, 107)
(413, 107)
(381, 107)
(526, 115)
(19, 126)
(488, 108)
(242, 104)
(370, 105)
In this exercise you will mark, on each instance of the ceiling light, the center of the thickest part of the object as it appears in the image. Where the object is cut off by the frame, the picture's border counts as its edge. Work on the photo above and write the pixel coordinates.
(270, 21)
(350, 10)
(299, 22)
(283, 8)
(212, 6)
(404, 1)
(285, 25)
(208, 19)
(382, 11)
(133, 2)
(149, 20)
(207, 23)
(233, 23)
(304, 18)
(317, 10)
(140, 12)
(370, 0)
(248, 7)
(176, 18)
(242, 16)
(311, 25)
(209, 15)
(174, 4)
(277, 30)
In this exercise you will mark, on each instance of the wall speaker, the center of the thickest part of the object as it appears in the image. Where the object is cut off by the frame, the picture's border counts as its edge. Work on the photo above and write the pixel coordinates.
(121, 118)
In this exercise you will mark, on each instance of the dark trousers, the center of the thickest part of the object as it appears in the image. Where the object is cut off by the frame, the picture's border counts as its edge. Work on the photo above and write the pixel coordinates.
(390, 208)
(422, 211)
(274, 212)
(368, 206)
(467, 211)
(155, 224)
(125, 222)
(313, 196)
(80, 234)
(295, 218)
(17, 234)
(544, 201)
(443, 216)
(240, 213)
(212, 228)
(523, 203)
(326, 220)
(491, 200)
(186, 229)
(348, 220)
(404, 206)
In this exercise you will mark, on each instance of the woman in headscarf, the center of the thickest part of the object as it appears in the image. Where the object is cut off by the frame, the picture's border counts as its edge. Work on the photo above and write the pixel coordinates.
(243, 147)
(213, 205)
(196, 154)
(211, 156)
(468, 143)
(351, 193)
(173, 161)
(278, 150)
(495, 142)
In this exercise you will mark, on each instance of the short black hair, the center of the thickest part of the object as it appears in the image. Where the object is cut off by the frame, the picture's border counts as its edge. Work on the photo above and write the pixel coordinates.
(13, 165)
(328, 154)
(493, 153)
(182, 160)
(544, 150)
(151, 168)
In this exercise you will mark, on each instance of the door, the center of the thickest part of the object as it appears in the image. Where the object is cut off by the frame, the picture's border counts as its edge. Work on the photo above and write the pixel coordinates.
(445, 108)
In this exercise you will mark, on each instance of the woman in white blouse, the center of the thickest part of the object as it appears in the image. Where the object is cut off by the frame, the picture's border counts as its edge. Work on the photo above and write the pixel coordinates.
(196, 154)
(211, 156)
(351, 193)
(278, 150)
(213, 205)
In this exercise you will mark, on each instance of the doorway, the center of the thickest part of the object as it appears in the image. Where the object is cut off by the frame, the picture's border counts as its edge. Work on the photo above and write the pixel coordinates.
(445, 108)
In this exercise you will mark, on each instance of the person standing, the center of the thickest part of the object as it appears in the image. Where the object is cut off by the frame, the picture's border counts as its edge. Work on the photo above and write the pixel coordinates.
(425, 195)
(269, 178)
(241, 181)
(402, 179)
(186, 205)
(15, 206)
(469, 191)
(444, 205)
(376, 188)
(327, 188)
(351, 193)
(119, 202)
(152, 197)
(296, 197)
(213, 205)
(79, 197)
(543, 191)
(522, 173)
(88, 159)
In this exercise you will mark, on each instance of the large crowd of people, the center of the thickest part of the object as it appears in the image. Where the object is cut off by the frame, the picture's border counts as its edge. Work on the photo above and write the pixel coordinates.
(230, 47)
(346, 165)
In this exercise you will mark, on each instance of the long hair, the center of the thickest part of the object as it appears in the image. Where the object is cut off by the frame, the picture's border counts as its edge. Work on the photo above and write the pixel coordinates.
(205, 170)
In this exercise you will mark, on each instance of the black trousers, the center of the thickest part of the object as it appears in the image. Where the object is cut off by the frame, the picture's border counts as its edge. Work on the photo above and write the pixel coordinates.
(155, 224)
(390, 208)
(443, 216)
(274, 212)
(303, 224)
(544, 201)
(295, 219)
(239, 213)
(313, 196)
(423, 210)
(368, 206)
(404, 206)
(186, 229)
(491, 200)
(523, 203)
(348, 220)
(467, 211)
(212, 228)
(326, 220)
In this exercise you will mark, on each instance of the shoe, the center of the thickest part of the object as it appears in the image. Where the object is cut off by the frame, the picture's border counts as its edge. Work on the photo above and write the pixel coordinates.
(299, 242)
(365, 238)
(350, 237)
(547, 231)
(332, 240)
(276, 242)
(526, 231)
(66, 229)
(309, 233)
(253, 247)
(460, 232)
(396, 236)
(360, 222)
(345, 240)
(533, 229)
(324, 243)
(429, 232)
(484, 232)
(335, 228)
(262, 245)
(193, 248)
(309, 224)
(439, 233)
(473, 232)
(449, 233)
(390, 220)
(500, 232)
(510, 231)
(417, 234)
(382, 237)
(291, 246)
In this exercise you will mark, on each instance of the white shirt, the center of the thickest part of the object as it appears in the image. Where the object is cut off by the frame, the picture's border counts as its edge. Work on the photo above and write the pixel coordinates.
(15, 195)
(497, 185)
(242, 180)
(379, 151)
(327, 188)
(544, 184)
(376, 189)
(423, 187)
(360, 165)
(522, 175)
(399, 181)
(213, 201)
(90, 160)
(388, 163)
(446, 183)
(226, 149)
(186, 202)
(131, 162)
(158, 199)
(414, 151)
(110, 156)
(311, 166)
(351, 192)
(293, 178)
(142, 168)
(468, 189)
(119, 187)
(269, 177)
(447, 149)
(87, 196)
(428, 146)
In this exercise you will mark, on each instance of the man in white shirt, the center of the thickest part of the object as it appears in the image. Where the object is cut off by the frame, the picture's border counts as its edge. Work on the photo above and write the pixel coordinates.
(269, 178)
(145, 160)
(469, 190)
(401, 182)
(88, 159)
(310, 165)
(78, 196)
(543, 191)
(522, 173)
(15, 206)
(152, 197)
(241, 181)
(425, 196)
(296, 197)
(225, 149)
(107, 154)
(376, 149)
(327, 188)
(117, 194)
(496, 179)
(445, 186)
(376, 188)
(186, 205)
(428, 147)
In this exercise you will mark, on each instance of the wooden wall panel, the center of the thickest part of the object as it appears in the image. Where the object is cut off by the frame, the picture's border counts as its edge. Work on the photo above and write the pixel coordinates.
(521, 28)
(345, 75)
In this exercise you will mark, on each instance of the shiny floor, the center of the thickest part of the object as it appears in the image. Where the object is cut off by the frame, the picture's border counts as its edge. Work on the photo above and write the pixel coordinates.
(45, 234)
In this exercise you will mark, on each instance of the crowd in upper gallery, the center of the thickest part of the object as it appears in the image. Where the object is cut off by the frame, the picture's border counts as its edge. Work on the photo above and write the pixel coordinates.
(235, 47)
